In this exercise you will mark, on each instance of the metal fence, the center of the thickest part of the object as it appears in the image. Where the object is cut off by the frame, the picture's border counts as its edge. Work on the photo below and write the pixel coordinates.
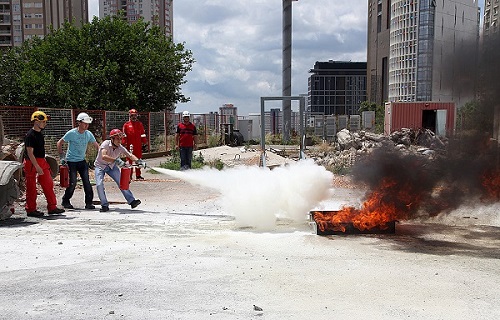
(17, 123)
(160, 127)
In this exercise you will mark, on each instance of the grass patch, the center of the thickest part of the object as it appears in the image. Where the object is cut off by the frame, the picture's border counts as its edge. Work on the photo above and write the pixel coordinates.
(198, 162)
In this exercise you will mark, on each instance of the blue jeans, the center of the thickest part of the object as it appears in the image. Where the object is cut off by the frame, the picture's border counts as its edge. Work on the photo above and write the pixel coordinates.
(186, 154)
(114, 173)
(82, 168)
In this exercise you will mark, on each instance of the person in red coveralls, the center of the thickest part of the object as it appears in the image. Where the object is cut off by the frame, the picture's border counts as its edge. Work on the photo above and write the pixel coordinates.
(185, 140)
(36, 168)
(135, 137)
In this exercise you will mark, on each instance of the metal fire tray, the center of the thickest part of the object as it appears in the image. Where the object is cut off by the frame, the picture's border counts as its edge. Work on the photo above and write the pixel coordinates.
(388, 228)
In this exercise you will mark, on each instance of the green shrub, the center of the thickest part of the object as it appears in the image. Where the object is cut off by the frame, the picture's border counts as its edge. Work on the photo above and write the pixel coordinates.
(198, 162)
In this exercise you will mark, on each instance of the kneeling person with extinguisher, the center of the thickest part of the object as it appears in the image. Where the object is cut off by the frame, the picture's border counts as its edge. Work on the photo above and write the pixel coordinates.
(108, 161)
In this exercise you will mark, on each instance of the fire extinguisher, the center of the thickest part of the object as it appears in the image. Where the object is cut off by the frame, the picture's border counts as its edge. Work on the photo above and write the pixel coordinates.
(131, 149)
(63, 176)
(125, 178)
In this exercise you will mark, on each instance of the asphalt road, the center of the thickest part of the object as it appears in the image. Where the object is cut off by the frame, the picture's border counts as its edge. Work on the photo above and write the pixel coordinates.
(180, 256)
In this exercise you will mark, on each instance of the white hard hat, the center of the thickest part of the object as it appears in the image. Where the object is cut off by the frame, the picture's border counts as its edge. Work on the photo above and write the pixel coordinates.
(185, 114)
(83, 117)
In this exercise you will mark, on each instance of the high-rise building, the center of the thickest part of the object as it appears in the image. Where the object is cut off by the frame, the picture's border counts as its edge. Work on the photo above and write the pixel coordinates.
(491, 17)
(413, 47)
(158, 12)
(337, 87)
(21, 20)
(489, 60)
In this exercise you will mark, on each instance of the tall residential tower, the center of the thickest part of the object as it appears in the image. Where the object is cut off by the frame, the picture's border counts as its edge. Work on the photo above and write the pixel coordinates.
(158, 12)
(21, 20)
(491, 17)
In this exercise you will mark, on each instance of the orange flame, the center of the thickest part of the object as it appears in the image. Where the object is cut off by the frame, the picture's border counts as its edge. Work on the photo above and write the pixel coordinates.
(491, 184)
(389, 202)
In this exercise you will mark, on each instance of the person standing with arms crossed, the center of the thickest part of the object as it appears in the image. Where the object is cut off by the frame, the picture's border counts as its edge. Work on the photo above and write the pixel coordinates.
(134, 138)
(185, 140)
(37, 168)
(78, 139)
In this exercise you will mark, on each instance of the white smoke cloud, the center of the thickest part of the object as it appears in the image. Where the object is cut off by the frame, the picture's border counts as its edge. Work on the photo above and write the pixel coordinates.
(257, 197)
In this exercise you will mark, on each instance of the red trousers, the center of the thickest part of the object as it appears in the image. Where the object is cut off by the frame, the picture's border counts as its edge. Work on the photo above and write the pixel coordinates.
(45, 181)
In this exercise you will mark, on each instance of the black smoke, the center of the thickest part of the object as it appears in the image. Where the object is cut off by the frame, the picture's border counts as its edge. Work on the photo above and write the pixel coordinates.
(420, 186)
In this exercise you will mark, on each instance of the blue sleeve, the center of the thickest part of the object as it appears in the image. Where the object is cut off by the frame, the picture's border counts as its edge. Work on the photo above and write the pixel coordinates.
(91, 137)
(67, 136)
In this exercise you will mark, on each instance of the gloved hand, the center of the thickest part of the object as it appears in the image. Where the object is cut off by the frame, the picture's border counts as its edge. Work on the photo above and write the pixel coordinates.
(141, 163)
(62, 158)
(119, 162)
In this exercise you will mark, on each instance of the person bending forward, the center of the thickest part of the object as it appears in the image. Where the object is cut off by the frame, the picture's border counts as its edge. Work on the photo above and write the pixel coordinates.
(108, 161)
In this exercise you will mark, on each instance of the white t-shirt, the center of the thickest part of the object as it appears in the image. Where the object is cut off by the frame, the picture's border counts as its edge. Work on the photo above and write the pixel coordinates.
(112, 151)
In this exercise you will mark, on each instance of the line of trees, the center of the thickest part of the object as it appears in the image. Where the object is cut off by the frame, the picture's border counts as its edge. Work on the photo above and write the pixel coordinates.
(106, 64)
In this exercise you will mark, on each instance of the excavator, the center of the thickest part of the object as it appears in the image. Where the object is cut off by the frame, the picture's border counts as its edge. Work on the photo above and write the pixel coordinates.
(10, 172)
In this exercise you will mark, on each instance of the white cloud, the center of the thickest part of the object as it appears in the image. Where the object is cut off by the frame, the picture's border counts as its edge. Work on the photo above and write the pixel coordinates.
(238, 46)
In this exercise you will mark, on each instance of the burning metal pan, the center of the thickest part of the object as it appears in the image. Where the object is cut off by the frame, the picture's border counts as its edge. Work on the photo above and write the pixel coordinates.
(346, 228)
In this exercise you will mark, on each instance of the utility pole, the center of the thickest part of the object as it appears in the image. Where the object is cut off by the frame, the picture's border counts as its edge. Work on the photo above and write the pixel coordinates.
(287, 69)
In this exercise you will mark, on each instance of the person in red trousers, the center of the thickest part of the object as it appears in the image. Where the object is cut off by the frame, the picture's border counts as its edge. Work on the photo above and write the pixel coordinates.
(134, 138)
(37, 168)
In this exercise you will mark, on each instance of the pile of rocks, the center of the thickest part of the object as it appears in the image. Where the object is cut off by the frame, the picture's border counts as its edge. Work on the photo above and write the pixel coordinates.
(342, 154)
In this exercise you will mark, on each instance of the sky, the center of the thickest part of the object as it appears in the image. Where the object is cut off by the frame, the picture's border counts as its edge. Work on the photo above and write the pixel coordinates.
(237, 45)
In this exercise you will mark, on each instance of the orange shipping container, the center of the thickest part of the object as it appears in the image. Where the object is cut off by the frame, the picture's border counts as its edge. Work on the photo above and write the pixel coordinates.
(436, 116)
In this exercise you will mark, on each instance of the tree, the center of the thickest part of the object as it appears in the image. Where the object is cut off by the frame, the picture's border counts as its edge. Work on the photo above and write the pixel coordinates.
(106, 64)
(379, 114)
(9, 76)
(474, 116)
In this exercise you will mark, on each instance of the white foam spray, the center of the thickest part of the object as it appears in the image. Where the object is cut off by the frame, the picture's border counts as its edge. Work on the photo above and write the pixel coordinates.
(257, 196)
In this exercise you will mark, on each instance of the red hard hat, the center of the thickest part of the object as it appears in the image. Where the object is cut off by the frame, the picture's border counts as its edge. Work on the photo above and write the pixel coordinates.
(132, 111)
(116, 132)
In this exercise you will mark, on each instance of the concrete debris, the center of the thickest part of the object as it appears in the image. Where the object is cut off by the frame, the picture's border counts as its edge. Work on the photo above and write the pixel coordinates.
(350, 146)
(234, 156)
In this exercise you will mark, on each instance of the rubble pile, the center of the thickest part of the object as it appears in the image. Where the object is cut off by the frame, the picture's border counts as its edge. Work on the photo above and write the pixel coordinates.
(350, 146)
(10, 150)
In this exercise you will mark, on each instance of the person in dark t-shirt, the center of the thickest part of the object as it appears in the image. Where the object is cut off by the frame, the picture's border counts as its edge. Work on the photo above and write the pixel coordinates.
(37, 168)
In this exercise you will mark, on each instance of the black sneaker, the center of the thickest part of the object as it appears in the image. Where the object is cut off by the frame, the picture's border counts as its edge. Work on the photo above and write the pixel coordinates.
(89, 206)
(67, 205)
(35, 214)
(56, 211)
(104, 209)
(135, 203)
(139, 178)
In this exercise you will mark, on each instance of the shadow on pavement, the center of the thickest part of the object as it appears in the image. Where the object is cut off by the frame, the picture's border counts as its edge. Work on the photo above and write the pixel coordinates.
(475, 241)
(16, 222)
(57, 217)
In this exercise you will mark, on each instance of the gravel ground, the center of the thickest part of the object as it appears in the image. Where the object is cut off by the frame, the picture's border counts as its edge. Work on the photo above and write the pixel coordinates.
(179, 255)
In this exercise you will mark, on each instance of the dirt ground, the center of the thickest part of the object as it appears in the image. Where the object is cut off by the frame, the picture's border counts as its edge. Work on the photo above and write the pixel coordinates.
(180, 256)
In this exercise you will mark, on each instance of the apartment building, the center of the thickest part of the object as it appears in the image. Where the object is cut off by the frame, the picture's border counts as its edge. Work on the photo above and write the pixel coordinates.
(158, 12)
(336, 87)
(490, 49)
(21, 20)
(414, 48)
(491, 17)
